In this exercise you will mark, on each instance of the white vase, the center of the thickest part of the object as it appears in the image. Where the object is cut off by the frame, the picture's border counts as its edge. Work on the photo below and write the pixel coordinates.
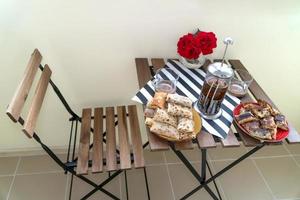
(193, 63)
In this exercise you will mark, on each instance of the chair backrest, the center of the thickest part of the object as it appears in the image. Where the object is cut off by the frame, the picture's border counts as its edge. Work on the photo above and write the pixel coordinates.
(16, 105)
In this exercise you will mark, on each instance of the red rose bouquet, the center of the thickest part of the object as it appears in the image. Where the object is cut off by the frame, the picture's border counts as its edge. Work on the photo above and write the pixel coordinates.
(190, 46)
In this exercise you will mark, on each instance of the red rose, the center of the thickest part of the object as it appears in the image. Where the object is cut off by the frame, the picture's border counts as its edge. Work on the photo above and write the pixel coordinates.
(187, 47)
(207, 41)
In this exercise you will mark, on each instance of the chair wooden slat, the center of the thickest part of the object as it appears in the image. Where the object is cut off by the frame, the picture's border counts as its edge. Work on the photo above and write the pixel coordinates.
(16, 105)
(136, 137)
(230, 140)
(84, 143)
(205, 140)
(111, 161)
(144, 75)
(123, 138)
(37, 102)
(259, 93)
(157, 63)
(97, 155)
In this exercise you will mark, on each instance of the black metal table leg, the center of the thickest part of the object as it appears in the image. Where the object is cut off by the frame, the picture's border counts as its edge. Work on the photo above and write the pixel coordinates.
(215, 184)
(192, 170)
(146, 180)
(203, 165)
(228, 167)
(126, 185)
(71, 187)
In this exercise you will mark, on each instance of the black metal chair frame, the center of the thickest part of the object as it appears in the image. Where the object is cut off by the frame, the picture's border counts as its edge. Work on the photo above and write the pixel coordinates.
(71, 161)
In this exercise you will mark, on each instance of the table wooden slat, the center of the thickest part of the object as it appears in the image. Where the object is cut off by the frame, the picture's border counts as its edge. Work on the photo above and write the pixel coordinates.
(37, 102)
(16, 105)
(123, 138)
(143, 71)
(206, 140)
(144, 75)
(158, 63)
(230, 140)
(259, 93)
(136, 138)
(97, 155)
(84, 143)
(111, 161)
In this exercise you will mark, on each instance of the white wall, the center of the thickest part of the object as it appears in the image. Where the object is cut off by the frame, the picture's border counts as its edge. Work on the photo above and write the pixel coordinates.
(91, 44)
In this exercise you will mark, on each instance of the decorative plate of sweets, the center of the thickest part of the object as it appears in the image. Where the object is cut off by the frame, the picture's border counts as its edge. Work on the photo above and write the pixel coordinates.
(261, 121)
(172, 117)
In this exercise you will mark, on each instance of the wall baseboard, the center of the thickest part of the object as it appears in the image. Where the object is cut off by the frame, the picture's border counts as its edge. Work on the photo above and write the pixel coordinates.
(32, 151)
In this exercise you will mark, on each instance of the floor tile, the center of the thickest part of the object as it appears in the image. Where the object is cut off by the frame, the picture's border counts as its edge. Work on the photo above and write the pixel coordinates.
(5, 183)
(159, 184)
(183, 182)
(297, 158)
(136, 184)
(293, 148)
(39, 186)
(35, 164)
(153, 157)
(242, 181)
(220, 153)
(283, 176)
(272, 150)
(8, 165)
(192, 155)
(81, 188)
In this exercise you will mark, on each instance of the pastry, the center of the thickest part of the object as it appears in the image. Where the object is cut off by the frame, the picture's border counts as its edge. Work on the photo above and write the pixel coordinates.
(149, 121)
(268, 123)
(180, 111)
(161, 115)
(251, 126)
(265, 104)
(178, 99)
(261, 133)
(149, 112)
(165, 130)
(281, 122)
(261, 113)
(273, 133)
(251, 106)
(185, 125)
(159, 100)
(245, 117)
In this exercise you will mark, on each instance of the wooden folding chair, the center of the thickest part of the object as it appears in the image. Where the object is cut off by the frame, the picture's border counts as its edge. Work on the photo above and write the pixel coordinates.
(114, 160)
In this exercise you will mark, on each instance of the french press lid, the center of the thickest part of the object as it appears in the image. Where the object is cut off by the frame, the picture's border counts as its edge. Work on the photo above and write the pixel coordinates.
(220, 71)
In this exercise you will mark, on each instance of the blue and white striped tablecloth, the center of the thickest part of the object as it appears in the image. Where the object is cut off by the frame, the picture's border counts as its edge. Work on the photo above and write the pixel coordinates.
(189, 84)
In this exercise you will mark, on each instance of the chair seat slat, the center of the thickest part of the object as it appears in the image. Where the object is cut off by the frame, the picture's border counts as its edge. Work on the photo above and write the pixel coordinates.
(111, 161)
(83, 152)
(37, 102)
(97, 155)
(123, 138)
(136, 137)
(144, 75)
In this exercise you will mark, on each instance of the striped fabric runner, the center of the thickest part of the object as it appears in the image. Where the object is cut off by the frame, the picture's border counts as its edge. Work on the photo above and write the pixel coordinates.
(189, 84)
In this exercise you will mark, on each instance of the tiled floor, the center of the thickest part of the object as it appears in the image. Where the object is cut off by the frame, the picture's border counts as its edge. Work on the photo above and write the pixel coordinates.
(272, 173)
